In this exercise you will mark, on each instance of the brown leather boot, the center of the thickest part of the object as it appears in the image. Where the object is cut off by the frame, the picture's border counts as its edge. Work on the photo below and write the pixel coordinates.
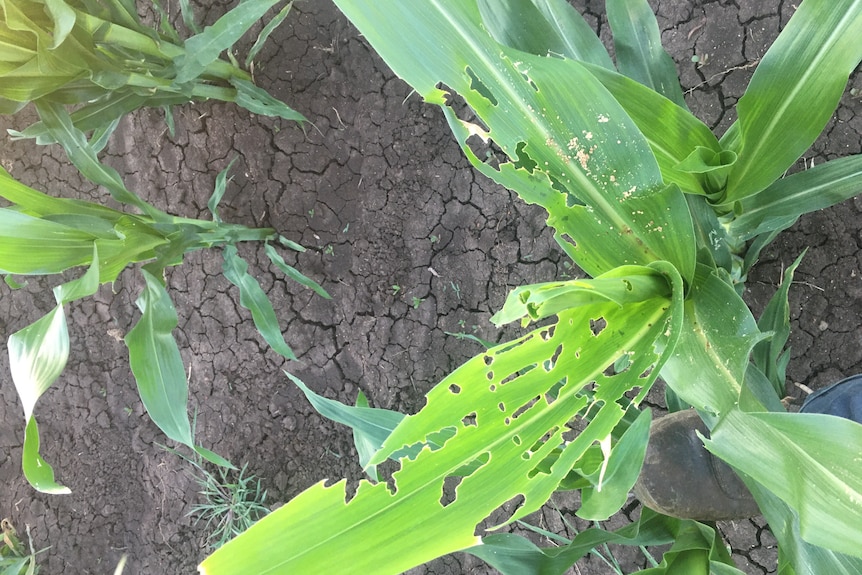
(682, 479)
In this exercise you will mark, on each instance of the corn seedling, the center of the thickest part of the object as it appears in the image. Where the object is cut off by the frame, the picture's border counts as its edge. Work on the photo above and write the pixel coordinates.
(666, 219)
(99, 54)
(41, 235)
(15, 559)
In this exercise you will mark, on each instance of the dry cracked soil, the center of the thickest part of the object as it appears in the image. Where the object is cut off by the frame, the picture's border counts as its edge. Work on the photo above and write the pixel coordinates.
(412, 244)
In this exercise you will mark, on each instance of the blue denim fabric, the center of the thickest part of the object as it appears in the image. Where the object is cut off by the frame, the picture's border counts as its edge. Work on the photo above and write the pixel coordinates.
(843, 399)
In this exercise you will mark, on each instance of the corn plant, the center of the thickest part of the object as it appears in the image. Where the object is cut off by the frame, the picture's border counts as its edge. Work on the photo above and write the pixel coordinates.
(99, 55)
(14, 558)
(41, 234)
(666, 219)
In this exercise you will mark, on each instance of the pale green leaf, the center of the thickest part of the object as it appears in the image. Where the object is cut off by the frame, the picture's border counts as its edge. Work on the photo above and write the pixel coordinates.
(253, 298)
(811, 461)
(37, 471)
(779, 205)
(707, 368)
(37, 356)
(794, 91)
(795, 555)
(618, 472)
(505, 425)
(64, 20)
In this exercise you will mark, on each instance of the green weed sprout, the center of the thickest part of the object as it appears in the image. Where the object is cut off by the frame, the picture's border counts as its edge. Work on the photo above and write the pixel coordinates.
(234, 501)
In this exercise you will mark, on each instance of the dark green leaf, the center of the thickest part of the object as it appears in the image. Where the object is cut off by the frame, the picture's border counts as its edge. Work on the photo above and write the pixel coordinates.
(156, 363)
(259, 101)
(267, 30)
(253, 298)
(205, 48)
(543, 28)
(640, 56)
(293, 273)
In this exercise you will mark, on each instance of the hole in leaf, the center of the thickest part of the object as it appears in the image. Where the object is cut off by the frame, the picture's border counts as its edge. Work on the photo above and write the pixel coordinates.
(502, 407)
(523, 159)
(449, 491)
(547, 334)
(646, 373)
(469, 420)
(490, 375)
(455, 389)
(492, 388)
(516, 439)
(523, 409)
(569, 240)
(488, 359)
(478, 86)
(501, 515)
(598, 325)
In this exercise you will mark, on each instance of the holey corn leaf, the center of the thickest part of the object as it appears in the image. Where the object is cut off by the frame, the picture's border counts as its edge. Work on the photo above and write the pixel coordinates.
(570, 146)
(504, 415)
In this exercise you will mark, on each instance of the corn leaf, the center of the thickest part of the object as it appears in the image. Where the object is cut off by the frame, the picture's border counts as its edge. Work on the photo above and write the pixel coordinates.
(218, 191)
(770, 356)
(294, 273)
(267, 30)
(34, 246)
(259, 101)
(253, 298)
(61, 129)
(811, 461)
(640, 55)
(543, 28)
(515, 555)
(793, 92)
(795, 555)
(707, 368)
(156, 363)
(779, 205)
(501, 423)
(37, 356)
(571, 146)
(63, 17)
(158, 367)
(204, 48)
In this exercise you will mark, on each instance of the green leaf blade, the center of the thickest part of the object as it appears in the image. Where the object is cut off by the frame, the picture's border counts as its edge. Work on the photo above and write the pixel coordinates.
(637, 43)
(156, 362)
(560, 128)
(254, 299)
(794, 91)
(811, 461)
(204, 48)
